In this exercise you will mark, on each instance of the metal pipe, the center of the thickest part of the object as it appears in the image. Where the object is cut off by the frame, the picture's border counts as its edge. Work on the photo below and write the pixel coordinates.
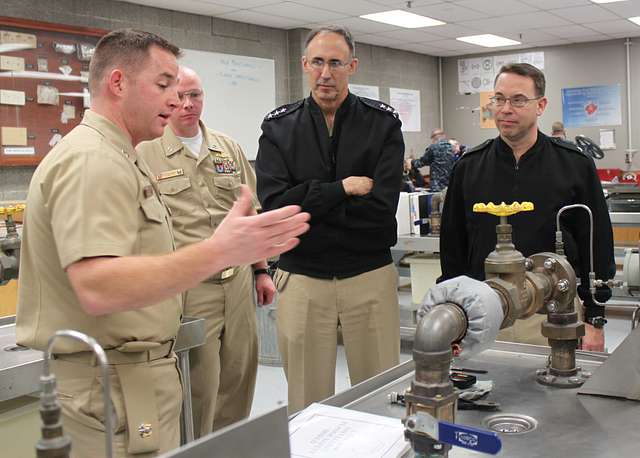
(439, 328)
(441, 96)
(106, 385)
(627, 45)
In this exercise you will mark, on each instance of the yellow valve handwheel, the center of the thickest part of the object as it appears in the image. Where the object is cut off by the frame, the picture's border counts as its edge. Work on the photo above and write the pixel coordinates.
(12, 209)
(503, 209)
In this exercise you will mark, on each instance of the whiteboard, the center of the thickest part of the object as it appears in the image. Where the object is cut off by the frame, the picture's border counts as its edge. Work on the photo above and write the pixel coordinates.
(239, 92)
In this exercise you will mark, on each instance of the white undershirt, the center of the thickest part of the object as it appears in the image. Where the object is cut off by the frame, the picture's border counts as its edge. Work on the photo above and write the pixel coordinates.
(193, 143)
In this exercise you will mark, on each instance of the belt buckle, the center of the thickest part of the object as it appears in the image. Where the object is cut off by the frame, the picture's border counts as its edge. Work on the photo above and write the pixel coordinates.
(227, 273)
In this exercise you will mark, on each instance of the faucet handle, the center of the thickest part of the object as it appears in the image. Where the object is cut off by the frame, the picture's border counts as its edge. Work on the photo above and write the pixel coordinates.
(503, 209)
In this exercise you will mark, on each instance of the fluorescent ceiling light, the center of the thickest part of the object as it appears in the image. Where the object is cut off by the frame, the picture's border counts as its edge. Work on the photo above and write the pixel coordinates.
(635, 20)
(488, 40)
(402, 18)
(607, 1)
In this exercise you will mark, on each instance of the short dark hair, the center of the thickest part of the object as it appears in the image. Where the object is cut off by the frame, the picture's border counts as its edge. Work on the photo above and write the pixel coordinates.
(527, 70)
(125, 47)
(337, 29)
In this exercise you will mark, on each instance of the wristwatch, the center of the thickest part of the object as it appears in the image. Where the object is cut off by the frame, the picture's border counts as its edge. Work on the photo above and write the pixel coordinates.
(597, 322)
(257, 272)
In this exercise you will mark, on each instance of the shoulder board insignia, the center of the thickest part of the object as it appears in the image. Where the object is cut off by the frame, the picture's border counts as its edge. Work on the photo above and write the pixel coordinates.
(283, 110)
(566, 145)
(480, 147)
(378, 105)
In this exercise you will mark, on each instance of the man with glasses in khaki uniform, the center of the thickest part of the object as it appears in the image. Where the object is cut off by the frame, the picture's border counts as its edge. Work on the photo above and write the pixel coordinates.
(97, 254)
(199, 172)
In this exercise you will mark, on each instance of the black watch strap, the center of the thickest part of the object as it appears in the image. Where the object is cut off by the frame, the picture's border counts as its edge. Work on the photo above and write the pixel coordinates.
(597, 322)
(257, 272)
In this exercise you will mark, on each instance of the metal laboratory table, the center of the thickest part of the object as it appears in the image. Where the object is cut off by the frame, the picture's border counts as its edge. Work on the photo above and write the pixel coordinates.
(569, 425)
(20, 368)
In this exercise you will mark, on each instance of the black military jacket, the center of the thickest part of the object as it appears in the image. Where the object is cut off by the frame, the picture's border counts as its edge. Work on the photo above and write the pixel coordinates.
(552, 174)
(300, 163)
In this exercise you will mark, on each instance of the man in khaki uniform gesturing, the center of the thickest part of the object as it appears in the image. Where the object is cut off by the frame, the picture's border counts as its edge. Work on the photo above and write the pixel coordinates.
(97, 254)
(199, 172)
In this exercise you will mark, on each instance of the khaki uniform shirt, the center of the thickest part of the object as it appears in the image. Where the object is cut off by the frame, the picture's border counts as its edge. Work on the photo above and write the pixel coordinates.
(91, 196)
(199, 190)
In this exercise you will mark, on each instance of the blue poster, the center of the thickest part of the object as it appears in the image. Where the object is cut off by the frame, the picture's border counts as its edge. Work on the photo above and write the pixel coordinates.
(591, 106)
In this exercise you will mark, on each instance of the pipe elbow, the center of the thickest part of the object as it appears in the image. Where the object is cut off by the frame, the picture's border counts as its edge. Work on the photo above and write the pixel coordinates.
(439, 328)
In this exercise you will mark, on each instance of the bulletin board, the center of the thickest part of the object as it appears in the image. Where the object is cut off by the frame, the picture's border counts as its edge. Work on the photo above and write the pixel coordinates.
(44, 70)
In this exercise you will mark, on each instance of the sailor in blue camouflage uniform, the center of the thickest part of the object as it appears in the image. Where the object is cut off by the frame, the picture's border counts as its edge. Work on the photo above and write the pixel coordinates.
(440, 158)
(340, 157)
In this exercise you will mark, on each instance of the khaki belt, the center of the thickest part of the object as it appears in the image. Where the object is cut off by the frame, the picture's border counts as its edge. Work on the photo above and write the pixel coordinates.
(138, 388)
(224, 276)
(128, 353)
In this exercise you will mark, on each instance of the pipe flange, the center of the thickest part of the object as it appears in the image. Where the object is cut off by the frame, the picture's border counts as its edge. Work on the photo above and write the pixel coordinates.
(546, 377)
(568, 331)
(559, 272)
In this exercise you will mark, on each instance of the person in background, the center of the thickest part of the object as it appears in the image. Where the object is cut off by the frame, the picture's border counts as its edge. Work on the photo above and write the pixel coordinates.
(339, 156)
(440, 157)
(557, 130)
(199, 172)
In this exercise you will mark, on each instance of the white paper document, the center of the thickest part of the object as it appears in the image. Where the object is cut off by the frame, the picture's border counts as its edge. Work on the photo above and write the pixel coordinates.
(321, 431)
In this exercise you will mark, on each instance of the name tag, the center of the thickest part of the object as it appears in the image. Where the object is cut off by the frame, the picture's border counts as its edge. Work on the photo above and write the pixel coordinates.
(170, 174)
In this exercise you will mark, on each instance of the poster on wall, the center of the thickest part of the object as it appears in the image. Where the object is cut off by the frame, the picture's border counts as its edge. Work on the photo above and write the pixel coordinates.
(486, 117)
(407, 103)
(370, 92)
(477, 74)
(591, 106)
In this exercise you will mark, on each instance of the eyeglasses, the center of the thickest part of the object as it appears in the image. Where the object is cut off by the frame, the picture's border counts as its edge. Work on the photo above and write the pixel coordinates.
(334, 64)
(517, 101)
(195, 95)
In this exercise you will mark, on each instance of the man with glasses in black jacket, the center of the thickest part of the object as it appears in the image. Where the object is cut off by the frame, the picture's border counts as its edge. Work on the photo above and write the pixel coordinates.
(523, 164)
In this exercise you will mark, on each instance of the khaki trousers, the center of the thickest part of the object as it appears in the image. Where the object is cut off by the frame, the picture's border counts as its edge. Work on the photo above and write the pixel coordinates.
(223, 370)
(80, 394)
(529, 330)
(308, 314)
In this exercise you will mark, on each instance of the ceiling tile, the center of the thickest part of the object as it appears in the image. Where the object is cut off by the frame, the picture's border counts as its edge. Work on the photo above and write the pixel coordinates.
(423, 48)
(356, 24)
(585, 14)
(550, 4)
(455, 45)
(376, 39)
(517, 22)
(402, 4)
(589, 39)
(412, 36)
(351, 7)
(619, 26)
(253, 17)
(301, 12)
(497, 7)
(453, 31)
(236, 4)
(624, 9)
(530, 36)
(188, 6)
(449, 12)
(569, 31)
(625, 34)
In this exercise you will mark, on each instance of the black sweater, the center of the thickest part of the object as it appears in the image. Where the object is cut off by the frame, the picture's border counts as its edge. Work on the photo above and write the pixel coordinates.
(551, 174)
(300, 163)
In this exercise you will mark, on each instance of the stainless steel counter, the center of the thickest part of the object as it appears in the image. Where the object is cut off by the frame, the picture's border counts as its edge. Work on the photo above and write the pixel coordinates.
(570, 425)
(427, 243)
(20, 368)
